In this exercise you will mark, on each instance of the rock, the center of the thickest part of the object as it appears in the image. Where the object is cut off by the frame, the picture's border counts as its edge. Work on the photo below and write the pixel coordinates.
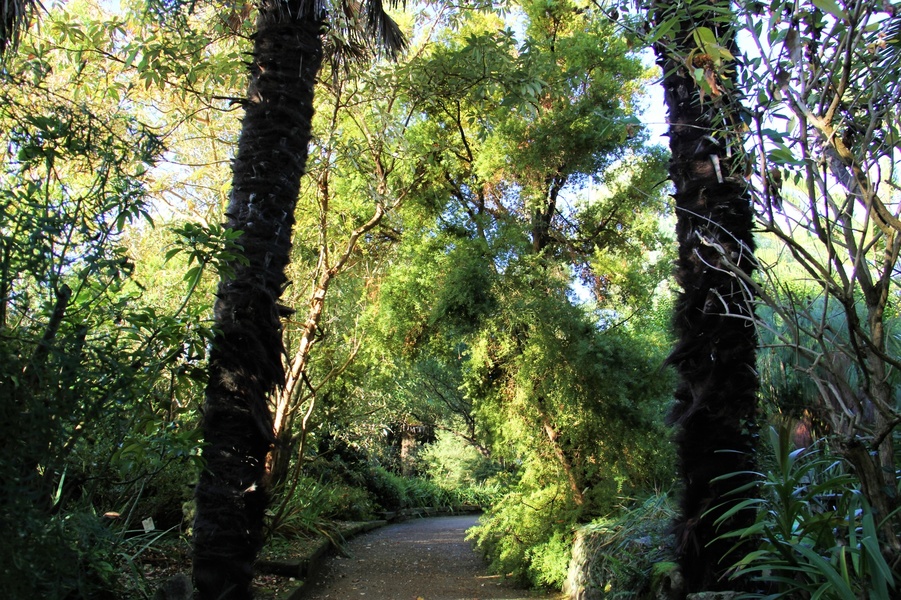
(177, 587)
(666, 581)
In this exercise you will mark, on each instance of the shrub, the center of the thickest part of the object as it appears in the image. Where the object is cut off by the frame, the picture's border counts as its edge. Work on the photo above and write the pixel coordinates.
(528, 535)
(387, 489)
(615, 556)
(818, 535)
(314, 504)
(455, 463)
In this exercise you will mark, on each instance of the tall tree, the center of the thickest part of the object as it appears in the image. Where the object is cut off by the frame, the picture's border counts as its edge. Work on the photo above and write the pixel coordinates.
(716, 349)
(513, 222)
(245, 364)
(829, 197)
(360, 169)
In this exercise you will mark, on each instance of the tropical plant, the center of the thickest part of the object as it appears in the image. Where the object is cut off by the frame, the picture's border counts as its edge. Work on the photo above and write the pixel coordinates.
(822, 78)
(14, 19)
(245, 365)
(818, 535)
(481, 304)
(617, 556)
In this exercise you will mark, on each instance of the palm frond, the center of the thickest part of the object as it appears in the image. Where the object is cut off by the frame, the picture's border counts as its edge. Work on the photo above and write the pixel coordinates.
(387, 34)
(15, 17)
(357, 31)
(354, 29)
(344, 49)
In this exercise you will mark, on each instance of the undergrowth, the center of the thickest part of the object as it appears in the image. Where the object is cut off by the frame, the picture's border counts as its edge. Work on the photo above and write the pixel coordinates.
(615, 556)
(818, 536)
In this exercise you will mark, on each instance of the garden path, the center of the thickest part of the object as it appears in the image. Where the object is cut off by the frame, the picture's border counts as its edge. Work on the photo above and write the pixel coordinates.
(419, 559)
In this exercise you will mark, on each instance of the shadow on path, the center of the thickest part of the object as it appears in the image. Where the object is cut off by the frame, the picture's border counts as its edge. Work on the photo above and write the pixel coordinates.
(420, 559)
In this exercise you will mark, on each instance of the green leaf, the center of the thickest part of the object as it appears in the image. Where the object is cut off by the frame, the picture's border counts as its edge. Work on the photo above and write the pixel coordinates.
(876, 560)
(783, 156)
(839, 585)
(663, 29)
(831, 7)
(193, 273)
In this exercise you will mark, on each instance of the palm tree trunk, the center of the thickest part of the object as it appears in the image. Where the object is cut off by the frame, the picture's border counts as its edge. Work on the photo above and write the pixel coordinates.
(246, 360)
(715, 355)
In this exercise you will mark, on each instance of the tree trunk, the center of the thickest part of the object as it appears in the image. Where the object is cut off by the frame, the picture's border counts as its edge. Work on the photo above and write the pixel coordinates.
(566, 463)
(567, 466)
(286, 401)
(246, 359)
(407, 449)
(286, 398)
(716, 350)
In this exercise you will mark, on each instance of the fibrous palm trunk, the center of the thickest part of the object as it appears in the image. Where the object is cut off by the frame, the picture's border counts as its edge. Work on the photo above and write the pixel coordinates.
(715, 354)
(246, 361)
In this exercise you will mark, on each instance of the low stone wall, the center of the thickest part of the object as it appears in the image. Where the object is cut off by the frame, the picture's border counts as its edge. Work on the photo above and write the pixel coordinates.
(600, 564)
(301, 567)
(578, 581)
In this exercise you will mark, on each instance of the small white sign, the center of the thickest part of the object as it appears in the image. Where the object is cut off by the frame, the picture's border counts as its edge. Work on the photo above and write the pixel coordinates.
(148, 525)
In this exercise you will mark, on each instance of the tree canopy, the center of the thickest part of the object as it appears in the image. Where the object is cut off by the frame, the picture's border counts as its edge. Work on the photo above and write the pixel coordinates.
(475, 303)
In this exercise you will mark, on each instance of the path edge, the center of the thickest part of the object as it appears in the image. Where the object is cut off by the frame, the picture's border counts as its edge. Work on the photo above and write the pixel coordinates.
(303, 568)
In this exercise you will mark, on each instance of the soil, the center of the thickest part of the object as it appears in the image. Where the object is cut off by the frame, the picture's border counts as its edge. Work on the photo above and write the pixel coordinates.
(420, 559)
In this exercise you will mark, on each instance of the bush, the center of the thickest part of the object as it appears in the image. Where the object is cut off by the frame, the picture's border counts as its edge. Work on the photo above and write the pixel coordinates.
(314, 504)
(615, 556)
(64, 557)
(394, 492)
(483, 495)
(79, 554)
(818, 535)
(387, 489)
(528, 536)
(455, 463)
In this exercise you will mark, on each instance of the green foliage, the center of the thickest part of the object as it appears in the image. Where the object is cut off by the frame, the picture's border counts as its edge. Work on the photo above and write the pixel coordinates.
(316, 503)
(100, 367)
(394, 492)
(109, 119)
(205, 245)
(818, 534)
(477, 326)
(456, 463)
(618, 554)
(528, 535)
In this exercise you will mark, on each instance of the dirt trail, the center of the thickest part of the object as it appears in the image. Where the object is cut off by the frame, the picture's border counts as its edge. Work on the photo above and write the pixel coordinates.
(421, 559)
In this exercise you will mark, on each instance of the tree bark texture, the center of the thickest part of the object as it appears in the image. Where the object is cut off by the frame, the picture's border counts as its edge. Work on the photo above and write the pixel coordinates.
(716, 397)
(246, 360)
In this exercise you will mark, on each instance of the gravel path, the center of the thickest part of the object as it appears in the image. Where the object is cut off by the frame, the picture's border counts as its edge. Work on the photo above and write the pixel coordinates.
(420, 559)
